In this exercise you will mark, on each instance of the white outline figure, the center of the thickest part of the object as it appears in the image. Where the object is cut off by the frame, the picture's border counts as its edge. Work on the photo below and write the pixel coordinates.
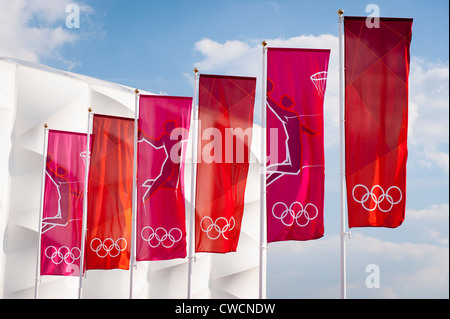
(161, 144)
(288, 118)
(46, 224)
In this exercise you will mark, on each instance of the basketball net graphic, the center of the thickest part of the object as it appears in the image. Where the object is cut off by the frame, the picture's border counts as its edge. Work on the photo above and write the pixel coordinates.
(319, 80)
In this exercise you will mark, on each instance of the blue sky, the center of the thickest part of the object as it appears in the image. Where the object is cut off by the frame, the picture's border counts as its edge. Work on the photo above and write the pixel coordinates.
(148, 44)
(154, 46)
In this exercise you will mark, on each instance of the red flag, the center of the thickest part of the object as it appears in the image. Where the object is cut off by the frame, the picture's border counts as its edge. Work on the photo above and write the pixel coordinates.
(163, 134)
(110, 193)
(296, 83)
(63, 204)
(376, 120)
(226, 118)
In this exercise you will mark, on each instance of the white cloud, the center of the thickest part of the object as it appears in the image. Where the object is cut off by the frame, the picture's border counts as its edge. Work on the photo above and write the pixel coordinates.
(407, 270)
(33, 30)
(430, 225)
(311, 269)
(223, 56)
(429, 112)
(436, 214)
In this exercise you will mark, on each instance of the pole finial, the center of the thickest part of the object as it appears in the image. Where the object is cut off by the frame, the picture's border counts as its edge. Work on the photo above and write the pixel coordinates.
(340, 12)
(45, 125)
(264, 43)
(90, 109)
(136, 91)
(195, 70)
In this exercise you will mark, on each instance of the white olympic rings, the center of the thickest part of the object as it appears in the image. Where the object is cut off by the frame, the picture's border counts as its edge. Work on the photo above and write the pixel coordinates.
(214, 227)
(63, 253)
(295, 211)
(108, 247)
(160, 236)
(377, 200)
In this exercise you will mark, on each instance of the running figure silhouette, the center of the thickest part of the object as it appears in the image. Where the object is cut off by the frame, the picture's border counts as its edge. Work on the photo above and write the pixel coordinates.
(169, 175)
(293, 128)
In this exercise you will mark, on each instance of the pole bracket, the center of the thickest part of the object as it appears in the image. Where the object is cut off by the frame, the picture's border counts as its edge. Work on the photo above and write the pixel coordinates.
(346, 233)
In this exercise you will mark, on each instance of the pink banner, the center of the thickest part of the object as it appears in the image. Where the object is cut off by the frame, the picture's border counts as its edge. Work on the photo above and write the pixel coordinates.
(63, 204)
(163, 133)
(296, 82)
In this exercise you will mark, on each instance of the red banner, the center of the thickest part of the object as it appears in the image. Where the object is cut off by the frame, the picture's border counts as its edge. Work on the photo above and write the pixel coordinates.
(63, 204)
(110, 193)
(376, 120)
(296, 83)
(162, 140)
(226, 119)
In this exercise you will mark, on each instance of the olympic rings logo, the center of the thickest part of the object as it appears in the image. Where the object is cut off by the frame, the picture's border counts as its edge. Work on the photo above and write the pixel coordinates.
(63, 253)
(217, 228)
(371, 201)
(295, 213)
(160, 236)
(108, 247)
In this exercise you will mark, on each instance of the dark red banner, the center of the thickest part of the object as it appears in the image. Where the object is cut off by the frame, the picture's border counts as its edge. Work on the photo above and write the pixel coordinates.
(376, 120)
(226, 119)
(108, 239)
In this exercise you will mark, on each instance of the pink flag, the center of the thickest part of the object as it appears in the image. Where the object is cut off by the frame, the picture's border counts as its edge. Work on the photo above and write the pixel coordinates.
(63, 204)
(296, 81)
(162, 139)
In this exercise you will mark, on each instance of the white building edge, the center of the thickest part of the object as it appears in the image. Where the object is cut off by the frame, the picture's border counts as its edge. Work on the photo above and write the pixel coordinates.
(32, 95)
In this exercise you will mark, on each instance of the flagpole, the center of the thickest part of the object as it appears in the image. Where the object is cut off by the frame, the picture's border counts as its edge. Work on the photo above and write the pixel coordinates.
(41, 212)
(343, 232)
(262, 231)
(85, 202)
(191, 249)
(134, 212)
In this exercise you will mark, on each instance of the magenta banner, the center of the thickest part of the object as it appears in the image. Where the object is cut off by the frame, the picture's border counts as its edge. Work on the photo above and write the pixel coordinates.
(296, 83)
(63, 203)
(162, 140)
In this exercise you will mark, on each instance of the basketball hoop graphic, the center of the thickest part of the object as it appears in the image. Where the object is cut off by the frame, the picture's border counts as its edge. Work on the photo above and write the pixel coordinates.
(319, 80)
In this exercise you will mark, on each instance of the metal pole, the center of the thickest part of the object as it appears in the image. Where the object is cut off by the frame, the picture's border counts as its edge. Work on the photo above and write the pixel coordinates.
(134, 208)
(262, 198)
(85, 202)
(343, 232)
(41, 211)
(193, 188)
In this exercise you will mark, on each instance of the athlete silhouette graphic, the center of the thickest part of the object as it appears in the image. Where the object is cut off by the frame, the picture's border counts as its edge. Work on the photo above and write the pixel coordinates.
(169, 174)
(293, 128)
(64, 214)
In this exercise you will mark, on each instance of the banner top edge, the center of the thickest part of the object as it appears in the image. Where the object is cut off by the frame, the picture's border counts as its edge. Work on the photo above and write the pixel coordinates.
(165, 96)
(298, 49)
(381, 18)
(227, 76)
